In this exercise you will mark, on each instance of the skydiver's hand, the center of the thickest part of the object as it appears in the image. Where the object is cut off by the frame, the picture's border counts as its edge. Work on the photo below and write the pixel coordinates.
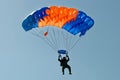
(59, 55)
(67, 55)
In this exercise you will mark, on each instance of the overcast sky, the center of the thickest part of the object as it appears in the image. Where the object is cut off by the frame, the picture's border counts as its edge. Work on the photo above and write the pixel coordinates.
(26, 57)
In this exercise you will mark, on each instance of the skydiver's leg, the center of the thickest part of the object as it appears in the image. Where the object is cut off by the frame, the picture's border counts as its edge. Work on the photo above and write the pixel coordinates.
(69, 68)
(63, 70)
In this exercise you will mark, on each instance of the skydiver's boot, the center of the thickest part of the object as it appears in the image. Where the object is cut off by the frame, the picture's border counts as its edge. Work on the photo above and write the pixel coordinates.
(70, 73)
(63, 73)
(69, 68)
(63, 70)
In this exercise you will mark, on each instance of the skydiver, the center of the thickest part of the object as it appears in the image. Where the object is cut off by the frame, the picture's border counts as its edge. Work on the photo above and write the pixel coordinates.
(63, 63)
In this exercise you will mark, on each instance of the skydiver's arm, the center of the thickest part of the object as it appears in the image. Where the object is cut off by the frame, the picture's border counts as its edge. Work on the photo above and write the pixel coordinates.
(59, 58)
(67, 58)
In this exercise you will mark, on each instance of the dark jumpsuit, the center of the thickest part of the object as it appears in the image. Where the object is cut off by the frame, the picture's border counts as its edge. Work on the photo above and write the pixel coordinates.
(63, 63)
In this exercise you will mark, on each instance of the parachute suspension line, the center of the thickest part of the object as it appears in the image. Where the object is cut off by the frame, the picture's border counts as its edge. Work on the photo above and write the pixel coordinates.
(50, 37)
(53, 37)
(61, 40)
(70, 41)
(67, 43)
(65, 40)
(58, 40)
(74, 44)
(56, 37)
(65, 37)
(48, 40)
(39, 33)
(35, 32)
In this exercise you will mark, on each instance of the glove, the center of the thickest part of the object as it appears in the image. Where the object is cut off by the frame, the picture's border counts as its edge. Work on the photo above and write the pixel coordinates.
(59, 55)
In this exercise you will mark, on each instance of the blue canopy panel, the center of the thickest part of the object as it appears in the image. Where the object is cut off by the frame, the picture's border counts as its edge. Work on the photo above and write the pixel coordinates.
(40, 14)
(29, 23)
(62, 51)
(71, 24)
(32, 20)
(80, 25)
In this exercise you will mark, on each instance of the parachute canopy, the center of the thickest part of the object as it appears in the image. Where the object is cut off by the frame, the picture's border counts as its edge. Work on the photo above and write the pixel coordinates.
(70, 19)
(65, 24)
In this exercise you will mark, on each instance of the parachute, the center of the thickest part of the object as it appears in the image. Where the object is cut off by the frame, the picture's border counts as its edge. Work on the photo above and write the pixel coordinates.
(60, 27)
